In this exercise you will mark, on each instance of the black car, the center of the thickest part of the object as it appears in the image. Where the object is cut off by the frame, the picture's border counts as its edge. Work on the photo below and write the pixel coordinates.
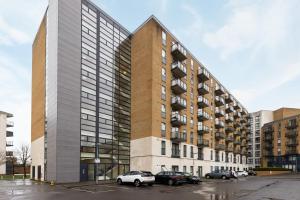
(170, 178)
(251, 173)
(189, 178)
(219, 174)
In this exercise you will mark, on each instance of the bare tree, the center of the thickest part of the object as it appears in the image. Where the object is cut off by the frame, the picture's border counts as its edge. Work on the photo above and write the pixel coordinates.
(2, 157)
(24, 156)
(13, 161)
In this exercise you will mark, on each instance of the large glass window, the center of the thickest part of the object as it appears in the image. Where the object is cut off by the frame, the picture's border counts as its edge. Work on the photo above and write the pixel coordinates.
(163, 56)
(163, 147)
(163, 92)
(163, 111)
(163, 74)
(164, 38)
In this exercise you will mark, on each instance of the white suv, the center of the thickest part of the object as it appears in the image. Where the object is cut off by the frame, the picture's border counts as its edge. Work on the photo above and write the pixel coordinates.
(137, 178)
(242, 173)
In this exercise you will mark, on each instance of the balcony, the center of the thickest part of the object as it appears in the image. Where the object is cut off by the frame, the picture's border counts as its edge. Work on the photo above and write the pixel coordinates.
(229, 129)
(219, 112)
(229, 148)
(203, 88)
(9, 134)
(219, 124)
(237, 142)
(177, 137)
(178, 86)
(177, 119)
(9, 143)
(220, 147)
(292, 124)
(291, 134)
(178, 69)
(228, 118)
(244, 152)
(237, 125)
(291, 143)
(9, 153)
(219, 90)
(219, 135)
(237, 151)
(236, 106)
(229, 109)
(178, 52)
(175, 153)
(202, 102)
(219, 101)
(268, 129)
(248, 124)
(203, 129)
(292, 150)
(178, 103)
(203, 74)
(237, 115)
(269, 146)
(268, 137)
(202, 115)
(203, 143)
(229, 139)
(228, 98)
(9, 124)
(243, 120)
(237, 133)
(243, 136)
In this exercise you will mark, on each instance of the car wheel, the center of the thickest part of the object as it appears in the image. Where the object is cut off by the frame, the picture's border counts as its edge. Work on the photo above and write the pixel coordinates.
(207, 177)
(150, 184)
(170, 182)
(119, 181)
(137, 183)
(243, 175)
(223, 177)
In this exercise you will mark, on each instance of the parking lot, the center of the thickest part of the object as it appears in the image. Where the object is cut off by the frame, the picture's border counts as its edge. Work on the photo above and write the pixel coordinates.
(249, 188)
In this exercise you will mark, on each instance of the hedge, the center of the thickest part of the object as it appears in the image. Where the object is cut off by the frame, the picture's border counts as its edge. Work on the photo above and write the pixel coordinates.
(271, 169)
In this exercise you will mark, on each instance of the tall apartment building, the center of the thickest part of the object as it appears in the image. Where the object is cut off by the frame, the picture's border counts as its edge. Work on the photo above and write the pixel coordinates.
(182, 117)
(280, 140)
(80, 94)
(6, 142)
(105, 101)
(256, 122)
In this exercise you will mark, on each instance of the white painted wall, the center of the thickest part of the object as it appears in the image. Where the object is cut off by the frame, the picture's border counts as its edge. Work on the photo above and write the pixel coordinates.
(146, 155)
(37, 155)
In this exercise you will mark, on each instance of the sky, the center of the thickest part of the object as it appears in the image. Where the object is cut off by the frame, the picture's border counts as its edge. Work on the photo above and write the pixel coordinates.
(252, 47)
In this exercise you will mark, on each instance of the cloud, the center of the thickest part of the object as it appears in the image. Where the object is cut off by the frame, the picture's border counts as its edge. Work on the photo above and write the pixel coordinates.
(251, 26)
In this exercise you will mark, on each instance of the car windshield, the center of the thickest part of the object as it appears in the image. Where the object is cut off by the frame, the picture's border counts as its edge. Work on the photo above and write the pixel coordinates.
(147, 173)
(178, 173)
(187, 174)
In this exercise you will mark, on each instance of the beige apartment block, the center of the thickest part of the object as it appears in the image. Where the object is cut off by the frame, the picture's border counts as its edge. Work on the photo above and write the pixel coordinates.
(182, 117)
(280, 140)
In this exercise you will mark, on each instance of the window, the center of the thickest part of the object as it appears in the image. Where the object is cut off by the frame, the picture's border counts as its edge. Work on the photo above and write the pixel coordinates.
(192, 170)
(184, 150)
(211, 155)
(163, 56)
(163, 74)
(163, 111)
(191, 137)
(192, 152)
(164, 38)
(163, 92)
(192, 64)
(163, 129)
(163, 148)
(184, 169)
(192, 123)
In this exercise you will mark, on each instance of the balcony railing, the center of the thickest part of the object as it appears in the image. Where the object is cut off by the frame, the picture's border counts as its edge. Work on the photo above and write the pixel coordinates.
(203, 143)
(178, 137)
(220, 147)
(219, 101)
(236, 105)
(219, 135)
(203, 88)
(9, 143)
(177, 119)
(229, 109)
(9, 124)
(291, 143)
(9, 153)
(268, 129)
(292, 124)
(269, 146)
(219, 112)
(229, 139)
(237, 115)
(219, 124)
(237, 125)
(291, 134)
(178, 52)
(9, 134)
(203, 129)
(202, 115)
(219, 90)
(268, 137)
(203, 102)
(237, 151)
(229, 149)
(237, 142)
(228, 118)
(237, 133)
(292, 150)
(178, 69)
(228, 98)
(203, 74)
(178, 103)
(243, 120)
(178, 86)
(229, 129)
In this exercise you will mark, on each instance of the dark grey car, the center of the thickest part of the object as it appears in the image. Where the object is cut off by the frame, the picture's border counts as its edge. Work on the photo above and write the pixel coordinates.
(219, 175)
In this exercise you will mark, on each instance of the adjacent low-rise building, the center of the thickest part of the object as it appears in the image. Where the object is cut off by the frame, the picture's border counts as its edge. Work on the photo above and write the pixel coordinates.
(280, 140)
(6, 142)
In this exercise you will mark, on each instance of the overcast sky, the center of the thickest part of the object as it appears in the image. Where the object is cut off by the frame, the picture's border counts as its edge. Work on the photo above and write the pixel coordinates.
(252, 47)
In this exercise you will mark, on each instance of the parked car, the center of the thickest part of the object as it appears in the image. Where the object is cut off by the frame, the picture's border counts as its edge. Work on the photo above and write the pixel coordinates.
(170, 178)
(189, 178)
(137, 178)
(251, 172)
(219, 174)
(242, 173)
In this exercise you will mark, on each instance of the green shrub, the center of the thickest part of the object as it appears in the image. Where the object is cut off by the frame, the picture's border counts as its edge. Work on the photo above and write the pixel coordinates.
(271, 169)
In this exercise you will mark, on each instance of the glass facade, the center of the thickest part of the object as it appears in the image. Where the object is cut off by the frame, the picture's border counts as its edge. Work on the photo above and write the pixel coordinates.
(105, 96)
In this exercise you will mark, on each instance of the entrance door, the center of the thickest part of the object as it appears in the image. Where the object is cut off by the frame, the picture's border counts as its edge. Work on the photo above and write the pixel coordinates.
(200, 171)
(39, 172)
(33, 172)
(83, 172)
